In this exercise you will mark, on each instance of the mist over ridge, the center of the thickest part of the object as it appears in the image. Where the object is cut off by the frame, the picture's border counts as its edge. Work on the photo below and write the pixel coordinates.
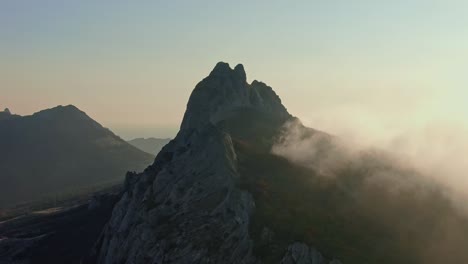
(433, 146)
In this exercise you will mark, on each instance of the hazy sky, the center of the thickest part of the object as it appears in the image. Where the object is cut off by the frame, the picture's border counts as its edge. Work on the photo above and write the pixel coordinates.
(131, 65)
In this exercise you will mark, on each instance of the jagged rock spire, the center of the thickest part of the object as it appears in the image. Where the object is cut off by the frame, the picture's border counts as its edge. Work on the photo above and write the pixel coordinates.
(224, 90)
(240, 72)
(222, 69)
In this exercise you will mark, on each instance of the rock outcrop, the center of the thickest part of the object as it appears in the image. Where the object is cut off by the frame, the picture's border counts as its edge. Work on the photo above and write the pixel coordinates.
(187, 206)
(226, 90)
(300, 253)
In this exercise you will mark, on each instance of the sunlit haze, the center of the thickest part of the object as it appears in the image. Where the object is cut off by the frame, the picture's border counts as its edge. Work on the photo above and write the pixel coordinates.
(391, 65)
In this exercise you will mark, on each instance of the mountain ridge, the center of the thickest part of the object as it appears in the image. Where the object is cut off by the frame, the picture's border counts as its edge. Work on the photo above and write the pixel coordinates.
(59, 149)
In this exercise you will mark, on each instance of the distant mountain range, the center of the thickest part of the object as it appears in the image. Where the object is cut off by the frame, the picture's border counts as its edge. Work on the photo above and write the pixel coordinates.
(149, 145)
(58, 150)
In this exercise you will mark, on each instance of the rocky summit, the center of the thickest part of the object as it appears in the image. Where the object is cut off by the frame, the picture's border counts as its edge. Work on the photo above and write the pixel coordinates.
(225, 91)
(188, 206)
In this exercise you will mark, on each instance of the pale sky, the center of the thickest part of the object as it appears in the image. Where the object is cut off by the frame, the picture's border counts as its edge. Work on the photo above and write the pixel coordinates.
(131, 65)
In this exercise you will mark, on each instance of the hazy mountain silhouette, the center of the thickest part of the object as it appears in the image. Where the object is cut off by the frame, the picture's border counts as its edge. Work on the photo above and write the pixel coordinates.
(58, 150)
(149, 145)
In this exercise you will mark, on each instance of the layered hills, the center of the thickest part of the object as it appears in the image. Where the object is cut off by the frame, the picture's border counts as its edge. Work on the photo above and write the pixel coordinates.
(60, 150)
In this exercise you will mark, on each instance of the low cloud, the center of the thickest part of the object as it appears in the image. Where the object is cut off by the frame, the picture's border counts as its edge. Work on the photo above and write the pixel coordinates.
(436, 149)
(413, 171)
(311, 148)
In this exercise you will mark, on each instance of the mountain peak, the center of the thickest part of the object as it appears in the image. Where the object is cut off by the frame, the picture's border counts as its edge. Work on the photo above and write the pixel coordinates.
(222, 69)
(7, 111)
(239, 71)
(62, 109)
(69, 107)
(68, 113)
(226, 90)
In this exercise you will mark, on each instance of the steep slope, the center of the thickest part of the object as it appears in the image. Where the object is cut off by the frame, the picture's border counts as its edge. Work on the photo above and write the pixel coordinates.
(187, 207)
(58, 150)
(149, 145)
(220, 192)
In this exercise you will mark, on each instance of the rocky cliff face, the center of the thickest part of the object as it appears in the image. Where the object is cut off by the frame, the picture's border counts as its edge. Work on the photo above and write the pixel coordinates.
(188, 207)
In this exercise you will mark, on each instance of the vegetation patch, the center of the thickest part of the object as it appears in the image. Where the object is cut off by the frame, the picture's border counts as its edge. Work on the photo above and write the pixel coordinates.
(344, 217)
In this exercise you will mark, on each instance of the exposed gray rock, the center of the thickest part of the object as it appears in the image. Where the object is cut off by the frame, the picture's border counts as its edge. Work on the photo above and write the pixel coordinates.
(184, 209)
(299, 253)
(224, 90)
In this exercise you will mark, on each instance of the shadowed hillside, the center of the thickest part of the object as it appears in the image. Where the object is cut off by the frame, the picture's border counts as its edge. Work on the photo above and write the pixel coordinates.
(58, 150)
